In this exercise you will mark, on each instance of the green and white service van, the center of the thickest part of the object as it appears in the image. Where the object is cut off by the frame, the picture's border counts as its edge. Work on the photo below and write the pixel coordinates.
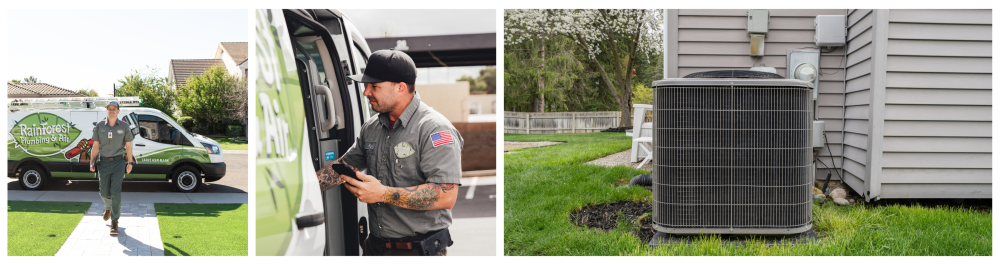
(52, 138)
(308, 114)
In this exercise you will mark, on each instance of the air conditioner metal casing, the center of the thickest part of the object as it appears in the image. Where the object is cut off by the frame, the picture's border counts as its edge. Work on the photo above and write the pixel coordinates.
(732, 156)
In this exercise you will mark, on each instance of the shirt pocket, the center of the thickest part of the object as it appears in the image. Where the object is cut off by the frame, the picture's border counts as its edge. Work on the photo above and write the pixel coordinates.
(408, 169)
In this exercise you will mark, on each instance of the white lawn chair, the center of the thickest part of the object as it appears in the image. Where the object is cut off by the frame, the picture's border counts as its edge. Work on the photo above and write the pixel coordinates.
(641, 134)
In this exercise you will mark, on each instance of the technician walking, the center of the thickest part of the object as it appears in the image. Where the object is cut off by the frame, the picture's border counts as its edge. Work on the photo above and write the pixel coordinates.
(414, 156)
(113, 140)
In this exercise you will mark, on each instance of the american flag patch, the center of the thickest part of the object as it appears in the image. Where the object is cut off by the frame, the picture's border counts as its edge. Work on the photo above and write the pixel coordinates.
(441, 138)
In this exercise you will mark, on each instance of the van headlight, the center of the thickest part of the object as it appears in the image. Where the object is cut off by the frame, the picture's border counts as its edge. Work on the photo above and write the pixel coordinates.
(211, 148)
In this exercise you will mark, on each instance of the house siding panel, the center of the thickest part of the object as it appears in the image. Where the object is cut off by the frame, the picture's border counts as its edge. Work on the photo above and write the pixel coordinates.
(857, 98)
(938, 141)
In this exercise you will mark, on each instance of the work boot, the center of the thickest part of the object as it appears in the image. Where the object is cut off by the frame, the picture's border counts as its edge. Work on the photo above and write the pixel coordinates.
(107, 215)
(114, 228)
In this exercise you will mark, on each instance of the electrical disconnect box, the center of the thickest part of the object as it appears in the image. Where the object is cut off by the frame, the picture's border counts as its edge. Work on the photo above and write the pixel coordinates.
(831, 30)
(757, 29)
(757, 21)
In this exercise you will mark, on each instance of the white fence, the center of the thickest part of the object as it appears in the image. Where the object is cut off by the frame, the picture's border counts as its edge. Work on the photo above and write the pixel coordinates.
(559, 122)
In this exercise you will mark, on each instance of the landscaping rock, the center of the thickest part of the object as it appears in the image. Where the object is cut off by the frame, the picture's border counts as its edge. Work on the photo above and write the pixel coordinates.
(818, 198)
(817, 191)
(839, 193)
(841, 201)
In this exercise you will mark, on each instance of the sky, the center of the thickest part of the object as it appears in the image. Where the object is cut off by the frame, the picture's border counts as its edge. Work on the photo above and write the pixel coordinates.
(425, 22)
(93, 49)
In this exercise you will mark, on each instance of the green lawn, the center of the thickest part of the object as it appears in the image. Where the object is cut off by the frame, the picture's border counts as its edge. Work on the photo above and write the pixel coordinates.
(189, 229)
(543, 185)
(40, 228)
(227, 144)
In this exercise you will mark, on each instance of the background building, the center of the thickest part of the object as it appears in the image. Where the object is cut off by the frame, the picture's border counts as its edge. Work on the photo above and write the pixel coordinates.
(38, 90)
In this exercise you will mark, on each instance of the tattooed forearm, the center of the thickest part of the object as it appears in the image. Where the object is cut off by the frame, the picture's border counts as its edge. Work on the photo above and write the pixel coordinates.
(417, 197)
(328, 178)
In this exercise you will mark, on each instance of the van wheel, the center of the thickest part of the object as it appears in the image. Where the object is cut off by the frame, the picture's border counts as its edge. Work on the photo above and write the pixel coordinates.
(187, 179)
(33, 177)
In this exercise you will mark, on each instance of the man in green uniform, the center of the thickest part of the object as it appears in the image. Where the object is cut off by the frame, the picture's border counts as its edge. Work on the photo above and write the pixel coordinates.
(113, 140)
(414, 156)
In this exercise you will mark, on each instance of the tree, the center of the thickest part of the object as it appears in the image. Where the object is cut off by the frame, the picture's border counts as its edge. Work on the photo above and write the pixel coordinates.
(31, 79)
(474, 84)
(642, 94)
(154, 90)
(488, 77)
(236, 99)
(212, 97)
(89, 93)
(530, 87)
(612, 39)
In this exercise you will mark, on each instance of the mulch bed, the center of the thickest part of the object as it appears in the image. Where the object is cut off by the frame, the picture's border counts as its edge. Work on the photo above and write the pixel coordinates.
(616, 129)
(605, 216)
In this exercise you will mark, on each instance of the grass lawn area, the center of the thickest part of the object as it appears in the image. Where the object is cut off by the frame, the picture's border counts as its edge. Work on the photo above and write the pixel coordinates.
(227, 144)
(543, 185)
(189, 229)
(40, 228)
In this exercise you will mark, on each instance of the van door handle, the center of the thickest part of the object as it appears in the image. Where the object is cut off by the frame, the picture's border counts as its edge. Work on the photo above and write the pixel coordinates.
(303, 221)
(330, 112)
(140, 145)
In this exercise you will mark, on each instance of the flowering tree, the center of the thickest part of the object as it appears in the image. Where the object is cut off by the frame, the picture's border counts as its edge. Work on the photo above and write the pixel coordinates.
(611, 38)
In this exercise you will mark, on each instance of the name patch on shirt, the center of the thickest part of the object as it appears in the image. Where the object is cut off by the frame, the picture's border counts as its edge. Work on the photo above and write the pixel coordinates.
(441, 138)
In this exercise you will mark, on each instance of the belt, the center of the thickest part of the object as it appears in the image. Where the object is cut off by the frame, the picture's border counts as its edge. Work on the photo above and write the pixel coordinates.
(112, 158)
(406, 243)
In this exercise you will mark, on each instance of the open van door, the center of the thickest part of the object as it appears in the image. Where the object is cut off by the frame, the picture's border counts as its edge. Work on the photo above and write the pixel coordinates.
(307, 117)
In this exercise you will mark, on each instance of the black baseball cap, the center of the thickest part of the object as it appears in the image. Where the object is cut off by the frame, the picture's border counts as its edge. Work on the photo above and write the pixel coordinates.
(388, 65)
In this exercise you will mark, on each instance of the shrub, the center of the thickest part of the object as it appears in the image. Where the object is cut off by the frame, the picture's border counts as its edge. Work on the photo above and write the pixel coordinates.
(234, 130)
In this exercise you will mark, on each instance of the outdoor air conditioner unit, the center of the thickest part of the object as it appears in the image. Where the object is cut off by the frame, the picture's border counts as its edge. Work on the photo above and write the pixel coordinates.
(733, 154)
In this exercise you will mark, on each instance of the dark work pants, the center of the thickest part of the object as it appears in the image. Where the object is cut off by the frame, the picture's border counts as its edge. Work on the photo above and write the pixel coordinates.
(111, 174)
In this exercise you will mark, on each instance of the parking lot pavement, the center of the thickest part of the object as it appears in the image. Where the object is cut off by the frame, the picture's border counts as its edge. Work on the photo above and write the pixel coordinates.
(473, 237)
(474, 225)
(476, 198)
(235, 181)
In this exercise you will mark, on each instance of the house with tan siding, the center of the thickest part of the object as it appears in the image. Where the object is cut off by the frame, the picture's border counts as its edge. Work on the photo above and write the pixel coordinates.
(907, 102)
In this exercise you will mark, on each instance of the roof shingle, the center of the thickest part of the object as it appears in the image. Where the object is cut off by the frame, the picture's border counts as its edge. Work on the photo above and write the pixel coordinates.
(236, 50)
(182, 69)
(38, 90)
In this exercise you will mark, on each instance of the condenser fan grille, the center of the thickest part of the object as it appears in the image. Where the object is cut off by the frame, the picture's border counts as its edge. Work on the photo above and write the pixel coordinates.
(747, 74)
(729, 157)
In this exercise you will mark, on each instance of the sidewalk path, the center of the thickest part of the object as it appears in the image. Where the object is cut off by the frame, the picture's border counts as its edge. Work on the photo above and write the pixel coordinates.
(138, 233)
(138, 228)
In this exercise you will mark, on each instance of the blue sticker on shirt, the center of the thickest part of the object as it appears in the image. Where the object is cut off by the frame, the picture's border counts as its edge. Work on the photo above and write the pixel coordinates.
(331, 155)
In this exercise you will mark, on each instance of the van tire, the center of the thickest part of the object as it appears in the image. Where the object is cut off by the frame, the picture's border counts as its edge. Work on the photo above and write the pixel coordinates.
(187, 179)
(32, 177)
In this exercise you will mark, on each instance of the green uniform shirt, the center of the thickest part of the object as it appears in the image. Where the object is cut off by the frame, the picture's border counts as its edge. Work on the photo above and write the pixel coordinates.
(405, 156)
(112, 138)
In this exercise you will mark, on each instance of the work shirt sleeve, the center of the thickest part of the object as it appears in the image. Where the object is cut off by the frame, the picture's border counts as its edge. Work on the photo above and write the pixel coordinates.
(441, 163)
(128, 133)
(355, 156)
(96, 137)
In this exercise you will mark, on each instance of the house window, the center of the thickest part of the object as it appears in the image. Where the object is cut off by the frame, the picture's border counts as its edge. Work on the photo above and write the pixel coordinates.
(474, 108)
